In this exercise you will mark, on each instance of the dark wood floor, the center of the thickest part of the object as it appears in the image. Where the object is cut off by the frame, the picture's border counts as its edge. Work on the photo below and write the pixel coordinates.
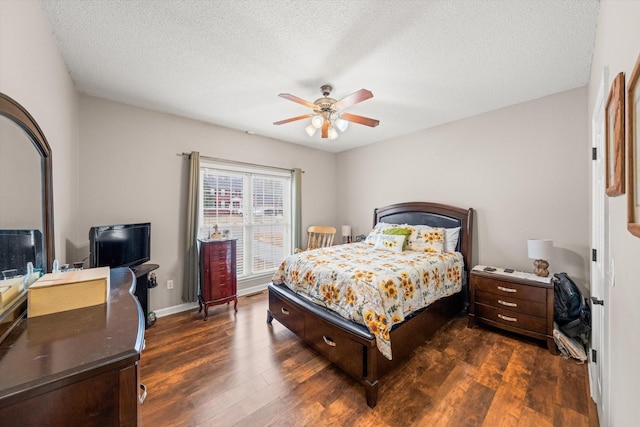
(234, 369)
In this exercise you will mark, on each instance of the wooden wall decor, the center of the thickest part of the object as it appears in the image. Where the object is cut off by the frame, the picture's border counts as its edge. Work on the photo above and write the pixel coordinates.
(614, 138)
(633, 147)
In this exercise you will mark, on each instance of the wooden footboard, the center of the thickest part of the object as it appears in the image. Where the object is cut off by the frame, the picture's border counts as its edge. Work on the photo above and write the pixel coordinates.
(351, 346)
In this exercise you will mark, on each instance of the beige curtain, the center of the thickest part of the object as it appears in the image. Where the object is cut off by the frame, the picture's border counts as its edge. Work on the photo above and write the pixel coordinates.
(191, 270)
(296, 179)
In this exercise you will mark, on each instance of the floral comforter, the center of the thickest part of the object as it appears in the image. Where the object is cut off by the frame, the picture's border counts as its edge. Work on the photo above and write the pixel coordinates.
(372, 287)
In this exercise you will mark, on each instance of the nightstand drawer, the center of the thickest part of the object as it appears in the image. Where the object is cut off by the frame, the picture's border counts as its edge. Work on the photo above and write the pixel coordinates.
(506, 302)
(512, 318)
(514, 290)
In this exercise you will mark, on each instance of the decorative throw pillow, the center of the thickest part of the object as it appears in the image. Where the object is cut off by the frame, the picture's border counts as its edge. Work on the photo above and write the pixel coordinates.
(399, 231)
(427, 239)
(391, 243)
(377, 230)
(451, 239)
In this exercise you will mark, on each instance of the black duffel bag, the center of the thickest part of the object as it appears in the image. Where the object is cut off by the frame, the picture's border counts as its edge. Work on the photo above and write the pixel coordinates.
(570, 310)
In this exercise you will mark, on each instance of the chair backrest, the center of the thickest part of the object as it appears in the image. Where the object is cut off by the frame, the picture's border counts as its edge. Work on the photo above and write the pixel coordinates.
(320, 236)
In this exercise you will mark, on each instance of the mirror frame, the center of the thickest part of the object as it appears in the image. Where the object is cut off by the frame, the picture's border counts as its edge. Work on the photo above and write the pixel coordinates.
(19, 115)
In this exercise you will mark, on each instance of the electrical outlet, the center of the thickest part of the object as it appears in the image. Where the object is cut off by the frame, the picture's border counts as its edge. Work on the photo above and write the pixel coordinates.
(169, 284)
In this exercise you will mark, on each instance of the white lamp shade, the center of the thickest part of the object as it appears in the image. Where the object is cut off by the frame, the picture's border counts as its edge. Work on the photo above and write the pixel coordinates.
(540, 248)
(341, 124)
(310, 130)
(346, 230)
(317, 121)
(332, 134)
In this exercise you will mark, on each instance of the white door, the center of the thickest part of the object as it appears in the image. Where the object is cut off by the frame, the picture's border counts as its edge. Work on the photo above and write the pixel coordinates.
(599, 243)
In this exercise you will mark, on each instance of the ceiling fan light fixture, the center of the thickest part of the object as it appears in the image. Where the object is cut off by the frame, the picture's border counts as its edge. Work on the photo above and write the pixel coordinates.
(341, 124)
(317, 121)
(333, 134)
(311, 130)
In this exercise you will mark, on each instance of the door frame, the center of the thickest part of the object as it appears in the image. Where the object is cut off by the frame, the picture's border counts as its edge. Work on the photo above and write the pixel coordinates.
(600, 269)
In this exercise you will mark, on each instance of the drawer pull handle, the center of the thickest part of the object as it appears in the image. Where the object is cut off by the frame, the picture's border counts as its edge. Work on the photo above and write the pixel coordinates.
(507, 318)
(329, 341)
(502, 288)
(284, 311)
(143, 396)
(508, 304)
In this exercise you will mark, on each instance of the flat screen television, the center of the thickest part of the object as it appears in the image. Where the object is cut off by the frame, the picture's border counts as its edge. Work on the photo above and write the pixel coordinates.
(122, 245)
(18, 247)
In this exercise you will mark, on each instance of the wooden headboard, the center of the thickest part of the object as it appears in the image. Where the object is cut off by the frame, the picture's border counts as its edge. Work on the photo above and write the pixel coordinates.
(434, 215)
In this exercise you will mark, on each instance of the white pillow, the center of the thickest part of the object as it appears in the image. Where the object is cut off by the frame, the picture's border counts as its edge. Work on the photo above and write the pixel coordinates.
(390, 242)
(451, 239)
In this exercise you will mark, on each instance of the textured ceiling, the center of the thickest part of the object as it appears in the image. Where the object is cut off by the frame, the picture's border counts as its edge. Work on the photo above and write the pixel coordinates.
(224, 62)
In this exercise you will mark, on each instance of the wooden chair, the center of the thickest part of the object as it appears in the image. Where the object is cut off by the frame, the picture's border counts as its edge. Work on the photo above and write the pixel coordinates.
(319, 236)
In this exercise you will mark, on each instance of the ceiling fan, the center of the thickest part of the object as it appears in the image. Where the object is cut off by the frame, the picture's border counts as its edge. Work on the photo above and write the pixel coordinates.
(327, 113)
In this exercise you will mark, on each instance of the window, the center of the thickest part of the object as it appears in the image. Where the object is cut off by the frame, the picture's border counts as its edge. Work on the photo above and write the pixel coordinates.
(255, 207)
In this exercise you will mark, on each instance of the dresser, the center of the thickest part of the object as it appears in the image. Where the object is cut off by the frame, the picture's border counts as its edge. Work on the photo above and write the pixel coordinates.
(518, 302)
(77, 367)
(218, 282)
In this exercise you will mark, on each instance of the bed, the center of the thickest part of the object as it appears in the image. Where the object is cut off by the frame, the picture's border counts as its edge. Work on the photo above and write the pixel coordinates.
(347, 339)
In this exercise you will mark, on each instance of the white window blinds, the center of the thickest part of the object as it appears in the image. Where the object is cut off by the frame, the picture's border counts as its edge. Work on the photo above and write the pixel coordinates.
(255, 207)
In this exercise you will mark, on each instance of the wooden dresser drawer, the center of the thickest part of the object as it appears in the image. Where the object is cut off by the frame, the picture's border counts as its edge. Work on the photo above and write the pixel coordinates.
(506, 302)
(218, 291)
(287, 314)
(515, 290)
(512, 318)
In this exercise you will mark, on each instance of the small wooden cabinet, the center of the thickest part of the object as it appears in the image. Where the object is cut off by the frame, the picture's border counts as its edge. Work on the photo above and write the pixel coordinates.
(517, 302)
(218, 283)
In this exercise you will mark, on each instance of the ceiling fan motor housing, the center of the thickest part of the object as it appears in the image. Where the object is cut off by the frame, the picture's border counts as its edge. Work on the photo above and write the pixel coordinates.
(324, 104)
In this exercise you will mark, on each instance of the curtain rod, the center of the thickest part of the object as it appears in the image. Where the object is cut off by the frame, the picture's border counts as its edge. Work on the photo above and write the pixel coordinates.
(236, 162)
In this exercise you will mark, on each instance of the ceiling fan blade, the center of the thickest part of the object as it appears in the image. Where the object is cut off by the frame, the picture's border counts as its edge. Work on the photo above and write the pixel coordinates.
(325, 129)
(360, 120)
(298, 100)
(293, 119)
(354, 98)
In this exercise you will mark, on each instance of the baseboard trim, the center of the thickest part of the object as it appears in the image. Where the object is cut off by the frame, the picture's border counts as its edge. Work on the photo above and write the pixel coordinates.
(176, 309)
(193, 305)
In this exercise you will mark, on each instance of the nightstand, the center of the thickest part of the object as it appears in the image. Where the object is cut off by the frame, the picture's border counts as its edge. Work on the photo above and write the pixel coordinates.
(518, 302)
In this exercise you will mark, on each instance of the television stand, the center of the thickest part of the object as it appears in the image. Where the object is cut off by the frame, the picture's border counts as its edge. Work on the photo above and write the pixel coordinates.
(143, 284)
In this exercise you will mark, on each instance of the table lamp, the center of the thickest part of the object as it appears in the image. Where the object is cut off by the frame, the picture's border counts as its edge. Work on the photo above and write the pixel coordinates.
(540, 250)
(346, 234)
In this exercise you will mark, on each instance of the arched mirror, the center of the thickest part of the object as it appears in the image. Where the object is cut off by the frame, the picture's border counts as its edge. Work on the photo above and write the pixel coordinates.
(26, 199)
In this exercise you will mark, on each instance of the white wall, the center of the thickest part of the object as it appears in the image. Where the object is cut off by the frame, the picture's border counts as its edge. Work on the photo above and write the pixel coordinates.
(130, 172)
(33, 73)
(524, 169)
(618, 46)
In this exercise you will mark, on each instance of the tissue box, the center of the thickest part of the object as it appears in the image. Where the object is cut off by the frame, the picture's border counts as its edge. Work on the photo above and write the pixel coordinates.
(56, 292)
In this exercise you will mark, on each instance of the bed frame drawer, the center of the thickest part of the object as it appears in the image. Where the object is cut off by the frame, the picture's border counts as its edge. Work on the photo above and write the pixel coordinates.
(287, 314)
(335, 345)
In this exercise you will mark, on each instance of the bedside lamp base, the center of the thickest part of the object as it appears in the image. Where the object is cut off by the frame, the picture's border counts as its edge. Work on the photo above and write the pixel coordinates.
(541, 268)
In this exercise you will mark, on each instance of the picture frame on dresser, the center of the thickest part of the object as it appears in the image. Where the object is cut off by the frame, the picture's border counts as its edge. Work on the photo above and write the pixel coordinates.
(633, 148)
(614, 138)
